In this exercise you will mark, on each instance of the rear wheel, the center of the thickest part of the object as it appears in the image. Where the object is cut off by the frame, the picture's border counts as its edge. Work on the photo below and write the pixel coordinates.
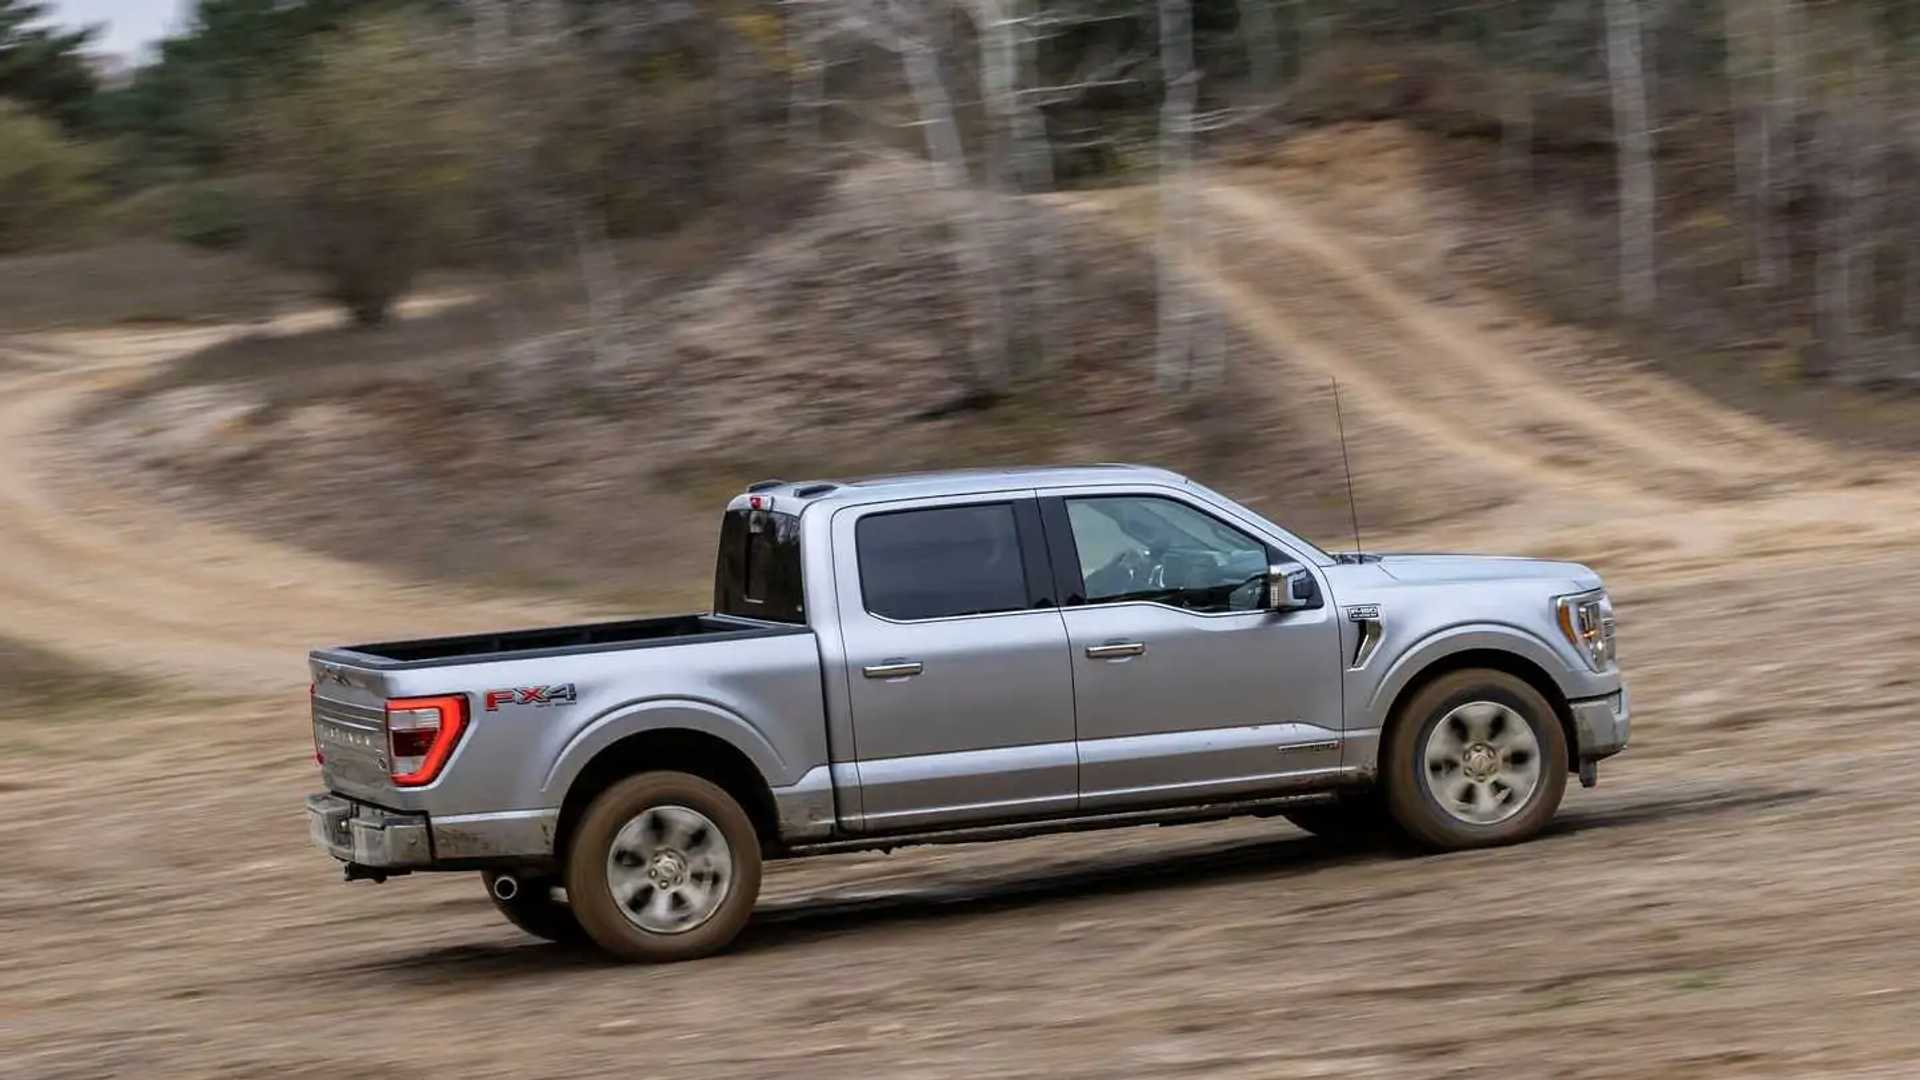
(664, 866)
(1475, 758)
(532, 908)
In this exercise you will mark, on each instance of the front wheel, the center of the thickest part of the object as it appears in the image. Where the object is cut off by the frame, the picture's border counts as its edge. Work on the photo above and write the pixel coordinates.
(664, 866)
(1476, 758)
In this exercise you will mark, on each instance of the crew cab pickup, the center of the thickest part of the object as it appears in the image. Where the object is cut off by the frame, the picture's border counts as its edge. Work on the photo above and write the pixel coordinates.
(963, 656)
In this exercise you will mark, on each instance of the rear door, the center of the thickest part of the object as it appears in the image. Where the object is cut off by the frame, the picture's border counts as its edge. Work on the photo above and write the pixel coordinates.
(960, 684)
(1187, 685)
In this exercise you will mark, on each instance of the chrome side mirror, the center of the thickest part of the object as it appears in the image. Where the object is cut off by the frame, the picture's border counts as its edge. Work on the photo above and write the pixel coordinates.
(1290, 587)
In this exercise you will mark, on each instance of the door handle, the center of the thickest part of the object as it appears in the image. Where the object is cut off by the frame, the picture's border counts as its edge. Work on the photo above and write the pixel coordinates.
(894, 669)
(1118, 651)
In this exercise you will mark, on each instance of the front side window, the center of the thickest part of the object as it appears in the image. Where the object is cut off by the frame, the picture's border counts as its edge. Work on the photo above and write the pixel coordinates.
(941, 562)
(1139, 547)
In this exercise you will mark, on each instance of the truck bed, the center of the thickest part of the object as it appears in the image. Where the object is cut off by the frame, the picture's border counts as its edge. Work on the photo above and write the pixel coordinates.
(553, 641)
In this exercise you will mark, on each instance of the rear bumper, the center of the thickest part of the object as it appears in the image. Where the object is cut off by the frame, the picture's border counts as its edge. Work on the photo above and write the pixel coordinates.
(355, 832)
(1602, 725)
(366, 835)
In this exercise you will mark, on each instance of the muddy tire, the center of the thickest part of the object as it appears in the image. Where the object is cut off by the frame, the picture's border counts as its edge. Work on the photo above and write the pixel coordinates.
(1476, 758)
(534, 909)
(664, 866)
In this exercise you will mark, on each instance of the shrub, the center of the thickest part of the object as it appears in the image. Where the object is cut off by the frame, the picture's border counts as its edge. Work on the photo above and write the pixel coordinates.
(214, 214)
(369, 158)
(46, 180)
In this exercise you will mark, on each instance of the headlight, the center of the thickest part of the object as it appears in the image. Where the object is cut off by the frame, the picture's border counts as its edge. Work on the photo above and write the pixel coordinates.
(1587, 621)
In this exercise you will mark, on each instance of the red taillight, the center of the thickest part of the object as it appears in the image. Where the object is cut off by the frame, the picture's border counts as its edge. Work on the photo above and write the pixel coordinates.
(421, 735)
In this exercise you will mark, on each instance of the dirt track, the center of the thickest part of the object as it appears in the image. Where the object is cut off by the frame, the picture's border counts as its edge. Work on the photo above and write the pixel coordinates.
(1738, 897)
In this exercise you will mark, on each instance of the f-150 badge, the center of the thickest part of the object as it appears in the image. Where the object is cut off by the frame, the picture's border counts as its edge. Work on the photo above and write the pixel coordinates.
(1363, 613)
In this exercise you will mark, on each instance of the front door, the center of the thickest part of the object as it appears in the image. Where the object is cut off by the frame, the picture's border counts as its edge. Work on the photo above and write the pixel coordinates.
(1187, 685)
(961, 688)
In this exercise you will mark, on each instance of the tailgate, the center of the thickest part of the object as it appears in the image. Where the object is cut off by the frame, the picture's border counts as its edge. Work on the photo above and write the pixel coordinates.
(350, 730)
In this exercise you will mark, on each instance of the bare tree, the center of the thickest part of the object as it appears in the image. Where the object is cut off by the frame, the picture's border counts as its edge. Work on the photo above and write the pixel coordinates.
(1850, 145)
(1750, 51)
(1020, 161)
(1633, 140)
(809, 30)
(909, 29)
(1191, 353)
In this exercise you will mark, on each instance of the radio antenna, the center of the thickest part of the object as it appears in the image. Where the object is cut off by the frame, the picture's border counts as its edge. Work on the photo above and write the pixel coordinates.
(1352, 511)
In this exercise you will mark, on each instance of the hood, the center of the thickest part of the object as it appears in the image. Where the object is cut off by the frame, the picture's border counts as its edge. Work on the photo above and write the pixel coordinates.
(1438, 568)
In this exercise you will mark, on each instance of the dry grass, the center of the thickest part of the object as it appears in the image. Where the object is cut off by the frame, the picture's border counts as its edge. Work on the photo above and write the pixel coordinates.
(138, 281)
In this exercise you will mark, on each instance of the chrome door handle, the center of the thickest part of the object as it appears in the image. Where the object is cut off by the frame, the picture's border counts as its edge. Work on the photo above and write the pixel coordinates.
(1117, 651)
(894, 669)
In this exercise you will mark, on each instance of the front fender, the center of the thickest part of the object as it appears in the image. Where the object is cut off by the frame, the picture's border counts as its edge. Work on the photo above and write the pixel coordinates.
(1573, 682)
(662, 714)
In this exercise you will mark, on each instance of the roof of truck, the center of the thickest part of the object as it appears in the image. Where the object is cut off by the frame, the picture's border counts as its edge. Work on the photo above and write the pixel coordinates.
(951, 482)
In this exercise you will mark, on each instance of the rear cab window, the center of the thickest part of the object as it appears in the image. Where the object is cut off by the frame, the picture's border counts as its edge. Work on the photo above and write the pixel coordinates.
(758, 575)
(949, 561)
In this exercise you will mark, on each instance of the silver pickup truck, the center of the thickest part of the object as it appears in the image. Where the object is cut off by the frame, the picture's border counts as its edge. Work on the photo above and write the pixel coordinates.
(954, 657)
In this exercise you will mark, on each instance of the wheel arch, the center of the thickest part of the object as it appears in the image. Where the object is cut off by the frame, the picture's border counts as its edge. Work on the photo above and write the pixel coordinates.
(1491, 658)
(675, 749)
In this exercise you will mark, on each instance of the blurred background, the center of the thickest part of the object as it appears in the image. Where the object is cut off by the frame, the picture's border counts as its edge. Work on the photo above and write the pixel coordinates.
(330, 320)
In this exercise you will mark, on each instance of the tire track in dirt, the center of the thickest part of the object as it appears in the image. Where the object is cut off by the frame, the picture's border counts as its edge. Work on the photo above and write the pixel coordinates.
(1674, 447)
(134, 587)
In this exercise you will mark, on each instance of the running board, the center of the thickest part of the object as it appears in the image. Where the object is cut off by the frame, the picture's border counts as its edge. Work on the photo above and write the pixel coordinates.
(1016, 830)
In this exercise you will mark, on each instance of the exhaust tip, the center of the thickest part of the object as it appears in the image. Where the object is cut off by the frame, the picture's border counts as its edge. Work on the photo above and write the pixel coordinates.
(506, 887)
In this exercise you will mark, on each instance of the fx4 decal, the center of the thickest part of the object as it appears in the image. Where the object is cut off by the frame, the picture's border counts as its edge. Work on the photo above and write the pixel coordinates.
(537, 696)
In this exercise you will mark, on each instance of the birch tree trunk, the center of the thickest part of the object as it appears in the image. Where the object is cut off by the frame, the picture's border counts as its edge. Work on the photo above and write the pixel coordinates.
(1752, 139)
(1787, 28)
(1639, 287)
(1189, 352)
(1516, 136)
(492, 37)
(1020, 162)
(1260, 31)
(1832, 289)
(947, 158)
(807, 76)
(994, 29)
(1516, 101)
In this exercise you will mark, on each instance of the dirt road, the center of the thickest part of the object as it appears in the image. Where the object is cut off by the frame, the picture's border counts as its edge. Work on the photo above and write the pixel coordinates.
(1737, 898)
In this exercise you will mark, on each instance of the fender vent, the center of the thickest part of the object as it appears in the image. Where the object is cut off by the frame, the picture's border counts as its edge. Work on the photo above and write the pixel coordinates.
(1370, 634)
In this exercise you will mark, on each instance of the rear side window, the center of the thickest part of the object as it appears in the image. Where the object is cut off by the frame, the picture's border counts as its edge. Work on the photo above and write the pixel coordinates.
(941, 562)
(759, 569)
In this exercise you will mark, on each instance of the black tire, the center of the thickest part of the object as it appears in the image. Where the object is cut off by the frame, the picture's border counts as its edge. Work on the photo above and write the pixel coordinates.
(591, 892)
(1358, 817)
(1410, 798)
(534, 909)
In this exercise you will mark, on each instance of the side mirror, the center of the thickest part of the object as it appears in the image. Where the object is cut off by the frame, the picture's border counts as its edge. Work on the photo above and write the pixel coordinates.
(1290, 588)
